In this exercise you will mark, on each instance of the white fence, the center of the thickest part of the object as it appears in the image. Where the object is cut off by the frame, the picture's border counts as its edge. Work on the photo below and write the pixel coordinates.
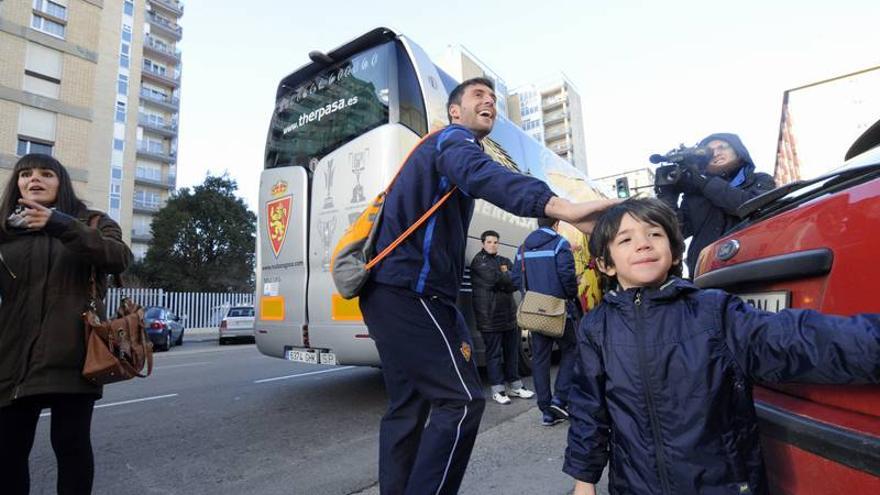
(200, 309)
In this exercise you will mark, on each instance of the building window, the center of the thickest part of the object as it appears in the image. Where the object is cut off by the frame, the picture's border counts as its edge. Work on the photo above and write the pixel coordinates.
(116, 172)
(114, 203)
(154, 67)
(118, 144)
(30, 145)
(128, 7)
(49, 17)
(120, 112)
(42, 71)
(126, 33)
(122, 84)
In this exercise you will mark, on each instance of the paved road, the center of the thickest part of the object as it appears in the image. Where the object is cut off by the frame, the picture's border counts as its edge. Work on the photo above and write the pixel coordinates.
(227, 420)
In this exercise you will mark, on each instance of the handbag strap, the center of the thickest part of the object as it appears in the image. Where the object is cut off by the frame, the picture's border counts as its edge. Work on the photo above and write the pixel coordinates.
(418, 223)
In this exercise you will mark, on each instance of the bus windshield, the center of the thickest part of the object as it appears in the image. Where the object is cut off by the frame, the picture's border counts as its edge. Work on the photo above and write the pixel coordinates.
(339, 104)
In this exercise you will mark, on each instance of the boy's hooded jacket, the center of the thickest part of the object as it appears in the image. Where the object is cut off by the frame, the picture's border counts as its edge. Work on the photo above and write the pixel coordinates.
(708, 213)
(663, 385)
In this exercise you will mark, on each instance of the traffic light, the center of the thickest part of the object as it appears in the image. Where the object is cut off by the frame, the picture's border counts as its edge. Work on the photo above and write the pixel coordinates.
(622, 185)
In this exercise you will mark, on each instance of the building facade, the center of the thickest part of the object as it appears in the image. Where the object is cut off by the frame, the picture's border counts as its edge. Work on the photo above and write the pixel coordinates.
(550, 111)
(96, 84)
(461, 64)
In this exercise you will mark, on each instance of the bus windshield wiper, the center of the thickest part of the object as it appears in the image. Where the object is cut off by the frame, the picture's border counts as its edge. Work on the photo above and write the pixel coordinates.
(777, 197)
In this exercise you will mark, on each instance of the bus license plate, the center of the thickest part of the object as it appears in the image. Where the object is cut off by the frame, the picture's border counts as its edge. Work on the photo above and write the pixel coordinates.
(772, 301)
(328, 357)
(302, 356)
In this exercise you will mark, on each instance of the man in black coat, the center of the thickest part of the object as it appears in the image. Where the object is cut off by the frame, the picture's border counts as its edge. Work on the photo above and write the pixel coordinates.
(495, 312)
(713, 191)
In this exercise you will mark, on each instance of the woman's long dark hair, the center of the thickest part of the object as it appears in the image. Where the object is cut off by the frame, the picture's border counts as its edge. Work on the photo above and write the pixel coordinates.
(66, 201)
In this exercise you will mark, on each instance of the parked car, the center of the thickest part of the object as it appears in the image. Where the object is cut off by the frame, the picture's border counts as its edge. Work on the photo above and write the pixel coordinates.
(164, 328)
(238, 324)
(812, 244)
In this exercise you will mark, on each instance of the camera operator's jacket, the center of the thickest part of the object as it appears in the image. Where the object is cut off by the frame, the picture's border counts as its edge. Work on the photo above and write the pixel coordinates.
(709, 214)
(663, 385)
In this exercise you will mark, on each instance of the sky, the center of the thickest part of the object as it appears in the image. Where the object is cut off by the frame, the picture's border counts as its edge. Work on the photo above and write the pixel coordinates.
(651, 75)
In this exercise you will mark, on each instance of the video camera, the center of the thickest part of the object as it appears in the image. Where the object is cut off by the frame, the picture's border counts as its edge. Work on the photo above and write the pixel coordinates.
(667, 175)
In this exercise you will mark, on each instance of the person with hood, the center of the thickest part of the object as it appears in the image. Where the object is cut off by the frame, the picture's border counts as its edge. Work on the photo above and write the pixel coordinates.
(47, 253)
(713, 191)
(545, 264)
(495, 315)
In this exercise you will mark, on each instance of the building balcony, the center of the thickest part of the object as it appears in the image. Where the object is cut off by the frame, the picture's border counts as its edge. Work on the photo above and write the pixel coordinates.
(551, 103)
(169, 103)
(561, 149)
(141, 236)
(554, 134)
(149, 208)
(167, 129)
(153, 73)
(156, 154)
(165, 26)
(153, 182)
(172, 6)
(555, 117)
(161, 50)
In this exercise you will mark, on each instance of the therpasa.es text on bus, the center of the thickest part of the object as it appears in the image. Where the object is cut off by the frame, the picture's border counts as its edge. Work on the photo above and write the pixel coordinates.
(341, 126)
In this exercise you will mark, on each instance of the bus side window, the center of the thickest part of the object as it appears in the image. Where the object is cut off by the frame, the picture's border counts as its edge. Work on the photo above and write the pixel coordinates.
(412, 105)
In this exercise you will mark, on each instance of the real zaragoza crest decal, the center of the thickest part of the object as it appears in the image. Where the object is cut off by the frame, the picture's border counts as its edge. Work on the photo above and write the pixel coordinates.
(278, 217)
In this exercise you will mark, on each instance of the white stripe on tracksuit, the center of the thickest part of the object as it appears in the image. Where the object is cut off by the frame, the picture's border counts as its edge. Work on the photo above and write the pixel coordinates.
(468, 392)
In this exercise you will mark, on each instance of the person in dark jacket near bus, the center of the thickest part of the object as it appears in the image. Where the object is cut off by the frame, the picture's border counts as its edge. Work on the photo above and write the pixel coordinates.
(435, 399)
(549, 269)
(47, 250)
(495, 314)
(664, 375)
(713, 191)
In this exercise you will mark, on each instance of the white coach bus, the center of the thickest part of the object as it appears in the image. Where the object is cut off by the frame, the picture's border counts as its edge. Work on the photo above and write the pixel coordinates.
(341, 126)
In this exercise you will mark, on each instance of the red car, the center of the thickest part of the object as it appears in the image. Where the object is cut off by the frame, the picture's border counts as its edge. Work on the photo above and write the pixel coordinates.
(812, 244)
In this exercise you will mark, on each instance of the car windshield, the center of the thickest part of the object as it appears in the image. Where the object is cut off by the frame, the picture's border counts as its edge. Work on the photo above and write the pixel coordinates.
(795, 193)
(153, 313)
(241, 312)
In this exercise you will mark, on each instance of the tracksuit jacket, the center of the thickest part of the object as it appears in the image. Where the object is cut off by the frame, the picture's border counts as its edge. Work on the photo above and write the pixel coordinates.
(663, 385)
(431, 261)
(550, 267)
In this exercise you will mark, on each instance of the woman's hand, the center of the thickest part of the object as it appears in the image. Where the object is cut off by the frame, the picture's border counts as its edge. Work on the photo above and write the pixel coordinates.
(35, 215)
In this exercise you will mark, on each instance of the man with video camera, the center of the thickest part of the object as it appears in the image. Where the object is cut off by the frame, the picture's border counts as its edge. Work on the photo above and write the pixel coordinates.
(715, 180)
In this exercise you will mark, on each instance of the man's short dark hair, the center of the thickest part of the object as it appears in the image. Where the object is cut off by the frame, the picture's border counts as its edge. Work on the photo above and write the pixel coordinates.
(455, 95)
(489, 233)
(650, 210)
(547, 222)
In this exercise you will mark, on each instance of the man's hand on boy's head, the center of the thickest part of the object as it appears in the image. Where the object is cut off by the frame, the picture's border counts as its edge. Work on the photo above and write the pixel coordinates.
(582, 215)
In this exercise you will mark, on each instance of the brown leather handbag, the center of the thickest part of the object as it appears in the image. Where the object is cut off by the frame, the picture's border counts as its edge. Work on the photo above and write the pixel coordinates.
(540, 313)
(116, 349)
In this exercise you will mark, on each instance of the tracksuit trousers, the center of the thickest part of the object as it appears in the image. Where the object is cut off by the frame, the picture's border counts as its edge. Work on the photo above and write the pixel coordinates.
(542, 348)
(435, 399)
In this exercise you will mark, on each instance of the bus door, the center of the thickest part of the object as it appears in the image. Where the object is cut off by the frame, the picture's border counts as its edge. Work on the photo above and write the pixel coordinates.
(282, 267)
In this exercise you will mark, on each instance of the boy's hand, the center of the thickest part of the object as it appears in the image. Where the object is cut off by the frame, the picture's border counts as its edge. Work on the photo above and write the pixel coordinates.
(35, 215)
(584, 488)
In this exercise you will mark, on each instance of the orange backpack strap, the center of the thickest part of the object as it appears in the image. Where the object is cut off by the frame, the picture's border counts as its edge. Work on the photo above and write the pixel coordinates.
(402, 237)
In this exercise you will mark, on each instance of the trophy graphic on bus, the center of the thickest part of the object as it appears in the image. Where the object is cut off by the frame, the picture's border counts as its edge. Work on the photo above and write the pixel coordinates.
(325, 230)
(358, 164)
(328, 184)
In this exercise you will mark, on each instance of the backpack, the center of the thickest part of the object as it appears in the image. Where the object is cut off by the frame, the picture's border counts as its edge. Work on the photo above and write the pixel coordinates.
(353, 256)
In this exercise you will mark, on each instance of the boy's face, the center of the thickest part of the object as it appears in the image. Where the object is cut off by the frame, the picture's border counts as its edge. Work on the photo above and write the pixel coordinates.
(640, 254)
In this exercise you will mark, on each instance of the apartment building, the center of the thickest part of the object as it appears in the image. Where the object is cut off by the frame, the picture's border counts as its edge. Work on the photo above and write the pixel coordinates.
(96, 84)
(461, 64)
(550, 111)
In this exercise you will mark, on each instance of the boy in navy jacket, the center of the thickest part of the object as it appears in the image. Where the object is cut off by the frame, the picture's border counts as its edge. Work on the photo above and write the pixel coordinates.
(663, 380)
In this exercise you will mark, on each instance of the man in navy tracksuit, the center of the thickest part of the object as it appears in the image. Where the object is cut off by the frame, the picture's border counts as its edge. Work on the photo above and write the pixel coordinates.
(549, 269)
(434, 392)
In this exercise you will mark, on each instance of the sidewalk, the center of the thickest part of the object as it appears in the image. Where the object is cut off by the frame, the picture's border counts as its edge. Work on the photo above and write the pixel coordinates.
(517, 457)
(200, 334)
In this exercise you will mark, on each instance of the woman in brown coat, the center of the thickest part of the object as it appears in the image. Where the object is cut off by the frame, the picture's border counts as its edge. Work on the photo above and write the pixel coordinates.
(47, 251)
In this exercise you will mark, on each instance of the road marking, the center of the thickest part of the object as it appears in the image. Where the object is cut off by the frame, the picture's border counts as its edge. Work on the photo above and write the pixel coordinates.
(287, 377)
(181, 365)
(133, 401)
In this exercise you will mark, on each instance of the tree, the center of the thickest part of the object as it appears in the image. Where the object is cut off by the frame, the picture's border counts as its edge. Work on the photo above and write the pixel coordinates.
(203, 241)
